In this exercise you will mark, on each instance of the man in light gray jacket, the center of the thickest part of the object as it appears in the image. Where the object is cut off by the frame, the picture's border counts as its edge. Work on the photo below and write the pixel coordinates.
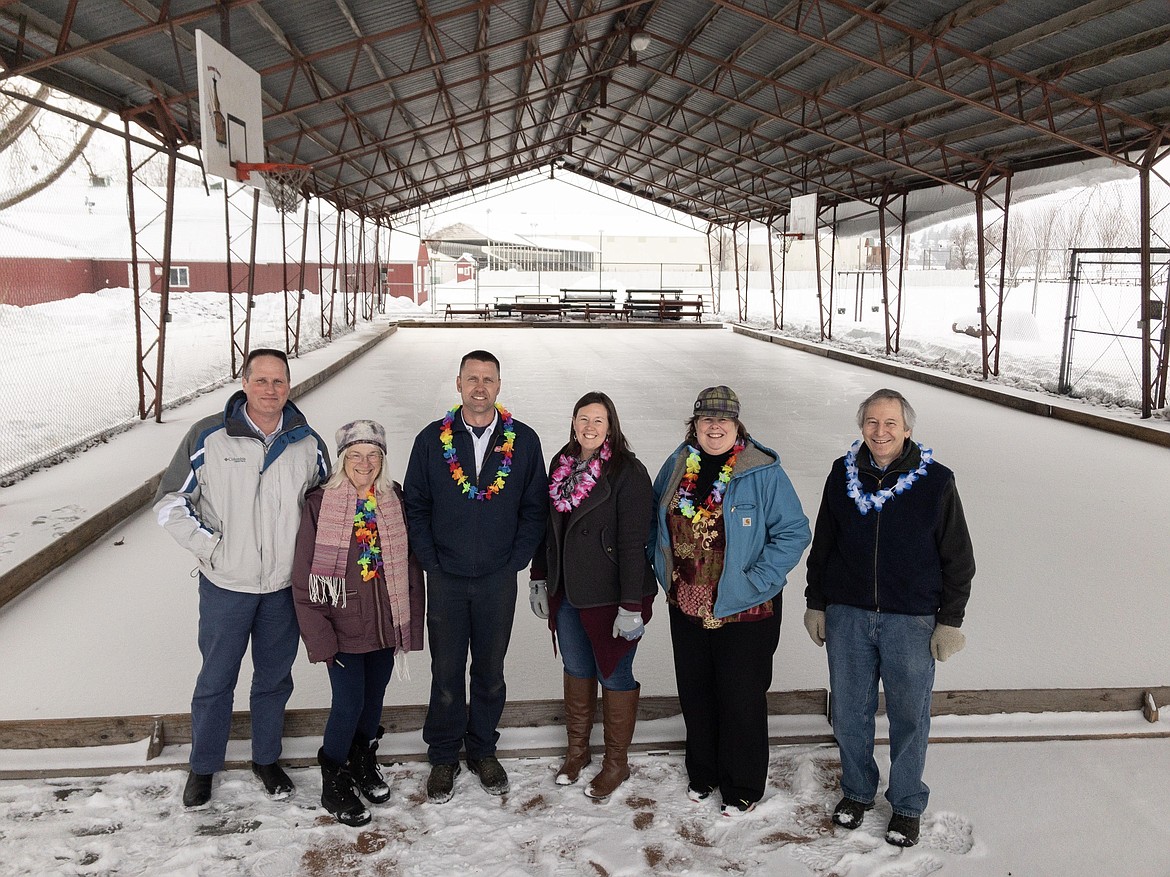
(232, 496)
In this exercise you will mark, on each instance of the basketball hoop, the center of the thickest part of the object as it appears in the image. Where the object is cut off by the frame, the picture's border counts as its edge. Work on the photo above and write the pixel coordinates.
(788, 238)
(284, 182)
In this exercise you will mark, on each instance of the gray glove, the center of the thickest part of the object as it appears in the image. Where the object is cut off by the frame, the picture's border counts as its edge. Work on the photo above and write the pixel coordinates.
(814, 623)
(538, 598)
(628, 625)
(945, 641)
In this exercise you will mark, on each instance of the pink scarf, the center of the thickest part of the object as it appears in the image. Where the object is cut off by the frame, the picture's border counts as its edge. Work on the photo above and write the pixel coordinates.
(335, 529)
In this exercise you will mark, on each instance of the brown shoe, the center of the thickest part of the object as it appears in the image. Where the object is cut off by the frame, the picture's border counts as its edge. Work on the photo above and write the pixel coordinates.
(619, 710)
(580, 705)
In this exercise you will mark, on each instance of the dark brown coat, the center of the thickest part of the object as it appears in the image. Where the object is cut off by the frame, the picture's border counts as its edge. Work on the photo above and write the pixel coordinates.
(365, 623)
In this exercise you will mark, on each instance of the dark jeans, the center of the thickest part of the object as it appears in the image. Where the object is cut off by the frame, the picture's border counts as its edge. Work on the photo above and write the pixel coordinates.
(723, 677)
(228, 621)
(467, 616)
(577, 653)
(359, 688)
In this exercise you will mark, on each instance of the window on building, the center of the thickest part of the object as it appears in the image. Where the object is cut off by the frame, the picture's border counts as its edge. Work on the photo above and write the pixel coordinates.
(180, 277)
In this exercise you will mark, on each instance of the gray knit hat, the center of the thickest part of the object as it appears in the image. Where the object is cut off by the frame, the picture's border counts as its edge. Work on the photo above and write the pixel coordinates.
(358, 432)
(717, 402)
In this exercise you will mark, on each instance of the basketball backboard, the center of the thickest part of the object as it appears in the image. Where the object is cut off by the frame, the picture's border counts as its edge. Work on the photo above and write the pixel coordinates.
(231, 118)
(802, 215)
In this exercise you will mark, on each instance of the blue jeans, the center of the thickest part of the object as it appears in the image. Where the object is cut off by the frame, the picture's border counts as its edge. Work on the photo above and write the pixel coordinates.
(864, 647)
(577, 653)
(467, 616)
(359, 689)
(227, 621)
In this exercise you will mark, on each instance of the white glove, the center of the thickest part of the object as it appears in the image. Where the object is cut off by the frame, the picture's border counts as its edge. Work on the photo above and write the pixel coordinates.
(538, 598)
(945, 641)
(628, 625)
(814, 623)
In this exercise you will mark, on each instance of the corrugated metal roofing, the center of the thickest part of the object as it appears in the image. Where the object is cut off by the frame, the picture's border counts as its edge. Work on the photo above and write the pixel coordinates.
(734, 107)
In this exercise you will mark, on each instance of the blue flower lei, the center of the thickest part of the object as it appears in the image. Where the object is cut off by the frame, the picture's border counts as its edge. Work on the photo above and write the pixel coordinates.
(866, 501)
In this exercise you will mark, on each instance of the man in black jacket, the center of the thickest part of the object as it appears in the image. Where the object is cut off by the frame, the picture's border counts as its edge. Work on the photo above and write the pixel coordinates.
(889, 574)
(476, 507)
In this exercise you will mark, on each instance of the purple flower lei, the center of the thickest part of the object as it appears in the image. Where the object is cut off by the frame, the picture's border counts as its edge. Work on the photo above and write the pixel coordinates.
(566, 500)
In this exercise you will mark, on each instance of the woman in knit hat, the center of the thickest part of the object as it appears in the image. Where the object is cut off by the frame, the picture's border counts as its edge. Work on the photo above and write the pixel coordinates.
(359, 600)
(728, 528)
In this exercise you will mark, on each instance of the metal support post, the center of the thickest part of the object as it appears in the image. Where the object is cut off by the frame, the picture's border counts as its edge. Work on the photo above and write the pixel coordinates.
(826, 254)
(992, 199)
(892, 244)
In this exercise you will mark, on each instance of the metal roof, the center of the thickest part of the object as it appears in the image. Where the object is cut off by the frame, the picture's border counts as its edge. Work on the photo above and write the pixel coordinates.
(732, 108)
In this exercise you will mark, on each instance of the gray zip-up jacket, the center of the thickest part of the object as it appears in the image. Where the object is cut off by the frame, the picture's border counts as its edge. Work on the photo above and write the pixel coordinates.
(235, 504)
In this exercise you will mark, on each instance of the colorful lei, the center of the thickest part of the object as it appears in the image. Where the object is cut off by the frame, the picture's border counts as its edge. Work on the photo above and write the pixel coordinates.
(866, 501)
(365, 528)
(568, 490)
(686, 487)
(457, 473)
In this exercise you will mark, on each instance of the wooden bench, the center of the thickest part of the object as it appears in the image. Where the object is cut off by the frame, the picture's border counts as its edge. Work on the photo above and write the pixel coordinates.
(590, 302)
(536, 309)
(455, 310)
(507, 307)
(662, 304)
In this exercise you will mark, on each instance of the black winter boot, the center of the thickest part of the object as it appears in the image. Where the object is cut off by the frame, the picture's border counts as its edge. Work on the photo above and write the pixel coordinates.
(337, 793)
(363, 766)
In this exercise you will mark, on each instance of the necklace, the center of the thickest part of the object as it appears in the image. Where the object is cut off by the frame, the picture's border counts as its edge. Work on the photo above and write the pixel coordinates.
(866, 501)
(365, 528)
(686, 487)
(457, 473)
(571, 484)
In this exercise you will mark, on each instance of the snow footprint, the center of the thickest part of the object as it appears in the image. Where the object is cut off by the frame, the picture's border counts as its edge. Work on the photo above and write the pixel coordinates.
(914, 867)
(948, 832)
(61, 519)
(8, 543)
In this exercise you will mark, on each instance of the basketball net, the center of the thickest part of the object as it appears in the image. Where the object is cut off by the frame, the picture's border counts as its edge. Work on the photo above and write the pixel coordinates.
(284, 182)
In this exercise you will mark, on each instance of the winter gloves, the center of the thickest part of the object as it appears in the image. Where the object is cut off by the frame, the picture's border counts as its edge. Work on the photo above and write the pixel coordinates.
(628, 624)
(945, 641)
(538, 598)
(814, 623)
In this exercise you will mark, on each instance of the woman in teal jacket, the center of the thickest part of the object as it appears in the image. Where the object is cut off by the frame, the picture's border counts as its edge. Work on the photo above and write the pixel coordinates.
(728, 528)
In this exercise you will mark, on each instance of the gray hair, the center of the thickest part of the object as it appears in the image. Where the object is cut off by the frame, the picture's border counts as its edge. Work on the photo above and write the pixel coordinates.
(908, 414)
(382, 484)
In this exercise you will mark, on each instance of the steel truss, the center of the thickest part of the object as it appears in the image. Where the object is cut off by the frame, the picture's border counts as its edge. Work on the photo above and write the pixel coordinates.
(241, 211)
(147, 211)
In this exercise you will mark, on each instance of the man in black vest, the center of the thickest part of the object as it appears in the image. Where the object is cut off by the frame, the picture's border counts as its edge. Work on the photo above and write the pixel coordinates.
(889, 574)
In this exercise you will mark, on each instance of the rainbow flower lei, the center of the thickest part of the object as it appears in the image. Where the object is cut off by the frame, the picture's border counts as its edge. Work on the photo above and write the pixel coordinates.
(365, 528)
(866, 501)
(686, 487)
(457, 473)
(581, 488)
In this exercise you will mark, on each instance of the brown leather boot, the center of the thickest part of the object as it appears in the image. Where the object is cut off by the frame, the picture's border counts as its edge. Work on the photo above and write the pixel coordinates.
(580, 705)
(619, 711)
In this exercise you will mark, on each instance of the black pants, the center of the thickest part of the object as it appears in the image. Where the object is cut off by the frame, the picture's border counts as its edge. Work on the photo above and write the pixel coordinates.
(723, 678)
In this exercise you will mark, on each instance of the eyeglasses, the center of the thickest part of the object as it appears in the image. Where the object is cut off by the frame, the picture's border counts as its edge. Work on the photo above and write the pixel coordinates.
(372, 457)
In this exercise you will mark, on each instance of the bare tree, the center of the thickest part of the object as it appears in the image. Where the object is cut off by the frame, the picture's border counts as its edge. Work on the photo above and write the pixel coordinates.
(38, 147)
(963, 245)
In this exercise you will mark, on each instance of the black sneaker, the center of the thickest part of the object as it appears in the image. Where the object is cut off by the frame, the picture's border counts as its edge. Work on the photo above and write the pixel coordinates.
(699, 793)
(441, 783)
(903, 830)
(491, 774)
(276, 781)
(737, 808)
(849, 813)
(197, 792)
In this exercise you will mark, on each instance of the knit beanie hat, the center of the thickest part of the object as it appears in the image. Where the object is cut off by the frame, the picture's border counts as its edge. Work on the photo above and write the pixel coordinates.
(358, 432)
(717, 402)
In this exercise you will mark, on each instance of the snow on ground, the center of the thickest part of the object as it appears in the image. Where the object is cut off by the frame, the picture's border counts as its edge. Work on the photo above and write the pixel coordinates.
(1030, 809)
